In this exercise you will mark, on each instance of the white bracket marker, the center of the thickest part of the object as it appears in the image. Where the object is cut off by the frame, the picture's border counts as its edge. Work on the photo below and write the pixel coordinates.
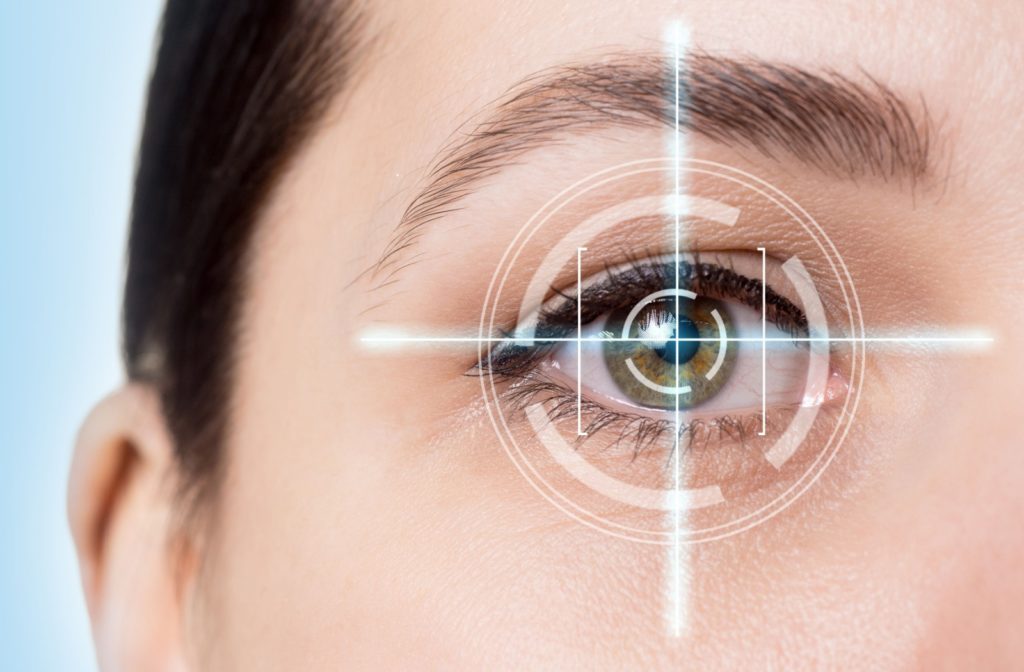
(579, 341)
(764, 345)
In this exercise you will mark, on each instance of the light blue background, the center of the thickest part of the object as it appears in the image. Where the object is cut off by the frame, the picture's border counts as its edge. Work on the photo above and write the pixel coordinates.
(72, 80)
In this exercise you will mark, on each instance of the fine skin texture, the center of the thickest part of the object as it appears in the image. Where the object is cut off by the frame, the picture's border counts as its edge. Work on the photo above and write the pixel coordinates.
(368, 517)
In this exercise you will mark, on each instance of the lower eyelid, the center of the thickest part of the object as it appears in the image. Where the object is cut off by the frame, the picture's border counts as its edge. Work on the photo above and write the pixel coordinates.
(722, 451)
(725, 451)
(833, 390)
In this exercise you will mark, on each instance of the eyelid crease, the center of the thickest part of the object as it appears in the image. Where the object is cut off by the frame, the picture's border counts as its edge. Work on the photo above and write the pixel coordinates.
(638, 278)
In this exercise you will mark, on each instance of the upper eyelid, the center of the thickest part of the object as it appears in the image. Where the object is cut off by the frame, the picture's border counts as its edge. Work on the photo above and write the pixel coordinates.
(552, 324)
(700, 276)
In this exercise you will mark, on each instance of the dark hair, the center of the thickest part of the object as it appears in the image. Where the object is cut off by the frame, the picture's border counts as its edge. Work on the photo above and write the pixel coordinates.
(237, 88)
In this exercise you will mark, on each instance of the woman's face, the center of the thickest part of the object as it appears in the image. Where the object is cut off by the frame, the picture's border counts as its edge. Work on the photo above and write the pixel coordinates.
(371, 515)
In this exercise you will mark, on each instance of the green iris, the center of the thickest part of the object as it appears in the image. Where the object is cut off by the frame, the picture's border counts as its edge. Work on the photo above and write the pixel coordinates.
(661, 362)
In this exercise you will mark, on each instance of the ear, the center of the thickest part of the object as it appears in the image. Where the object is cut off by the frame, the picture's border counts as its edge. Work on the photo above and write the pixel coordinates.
(121, 511)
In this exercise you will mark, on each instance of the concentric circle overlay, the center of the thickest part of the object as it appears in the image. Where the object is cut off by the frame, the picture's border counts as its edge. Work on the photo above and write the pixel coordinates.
(546, 438)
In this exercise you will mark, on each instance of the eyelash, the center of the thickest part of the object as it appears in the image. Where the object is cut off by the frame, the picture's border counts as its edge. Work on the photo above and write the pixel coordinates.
(637, 432)
(518, 365)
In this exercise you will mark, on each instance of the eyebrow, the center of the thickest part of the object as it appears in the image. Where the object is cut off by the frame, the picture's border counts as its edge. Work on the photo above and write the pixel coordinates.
(841, 127)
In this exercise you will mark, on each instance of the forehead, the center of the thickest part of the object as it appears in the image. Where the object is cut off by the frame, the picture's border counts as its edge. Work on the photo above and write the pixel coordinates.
(438, 62)
(430, 69)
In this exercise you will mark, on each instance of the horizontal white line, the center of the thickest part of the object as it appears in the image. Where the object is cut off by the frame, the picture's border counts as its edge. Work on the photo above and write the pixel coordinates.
(732, 339)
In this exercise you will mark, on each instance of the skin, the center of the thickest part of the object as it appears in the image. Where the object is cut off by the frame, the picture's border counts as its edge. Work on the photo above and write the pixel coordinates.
(369, 518)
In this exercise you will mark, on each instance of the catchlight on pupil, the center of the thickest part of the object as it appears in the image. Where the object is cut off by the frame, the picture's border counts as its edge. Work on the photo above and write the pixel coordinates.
(657, 359)
(682, 351)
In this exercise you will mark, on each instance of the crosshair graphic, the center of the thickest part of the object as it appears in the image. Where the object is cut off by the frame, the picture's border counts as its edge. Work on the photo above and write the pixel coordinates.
(674, 501)
(572, 246)
(685, 509)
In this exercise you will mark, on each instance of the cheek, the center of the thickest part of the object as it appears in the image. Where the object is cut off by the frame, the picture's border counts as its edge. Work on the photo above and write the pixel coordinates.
(365, 551)
(438, 553)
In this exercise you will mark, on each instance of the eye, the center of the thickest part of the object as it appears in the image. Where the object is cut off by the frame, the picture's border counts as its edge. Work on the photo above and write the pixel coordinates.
(681, 352)
(709, 355)
(643, 346)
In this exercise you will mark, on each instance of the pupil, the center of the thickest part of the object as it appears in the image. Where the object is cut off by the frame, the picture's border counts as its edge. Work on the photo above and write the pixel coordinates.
(683, 328)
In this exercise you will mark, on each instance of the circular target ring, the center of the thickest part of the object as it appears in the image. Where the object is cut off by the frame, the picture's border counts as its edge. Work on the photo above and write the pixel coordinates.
(563, 452)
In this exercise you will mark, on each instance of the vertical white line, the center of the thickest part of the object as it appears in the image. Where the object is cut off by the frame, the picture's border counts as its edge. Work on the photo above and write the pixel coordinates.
(677, 579)
(579, 341)
(677, 574)
(764, 345)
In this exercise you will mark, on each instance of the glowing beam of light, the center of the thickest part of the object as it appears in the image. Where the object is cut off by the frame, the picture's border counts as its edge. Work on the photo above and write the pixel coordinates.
(969, 341)
(678, 590)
